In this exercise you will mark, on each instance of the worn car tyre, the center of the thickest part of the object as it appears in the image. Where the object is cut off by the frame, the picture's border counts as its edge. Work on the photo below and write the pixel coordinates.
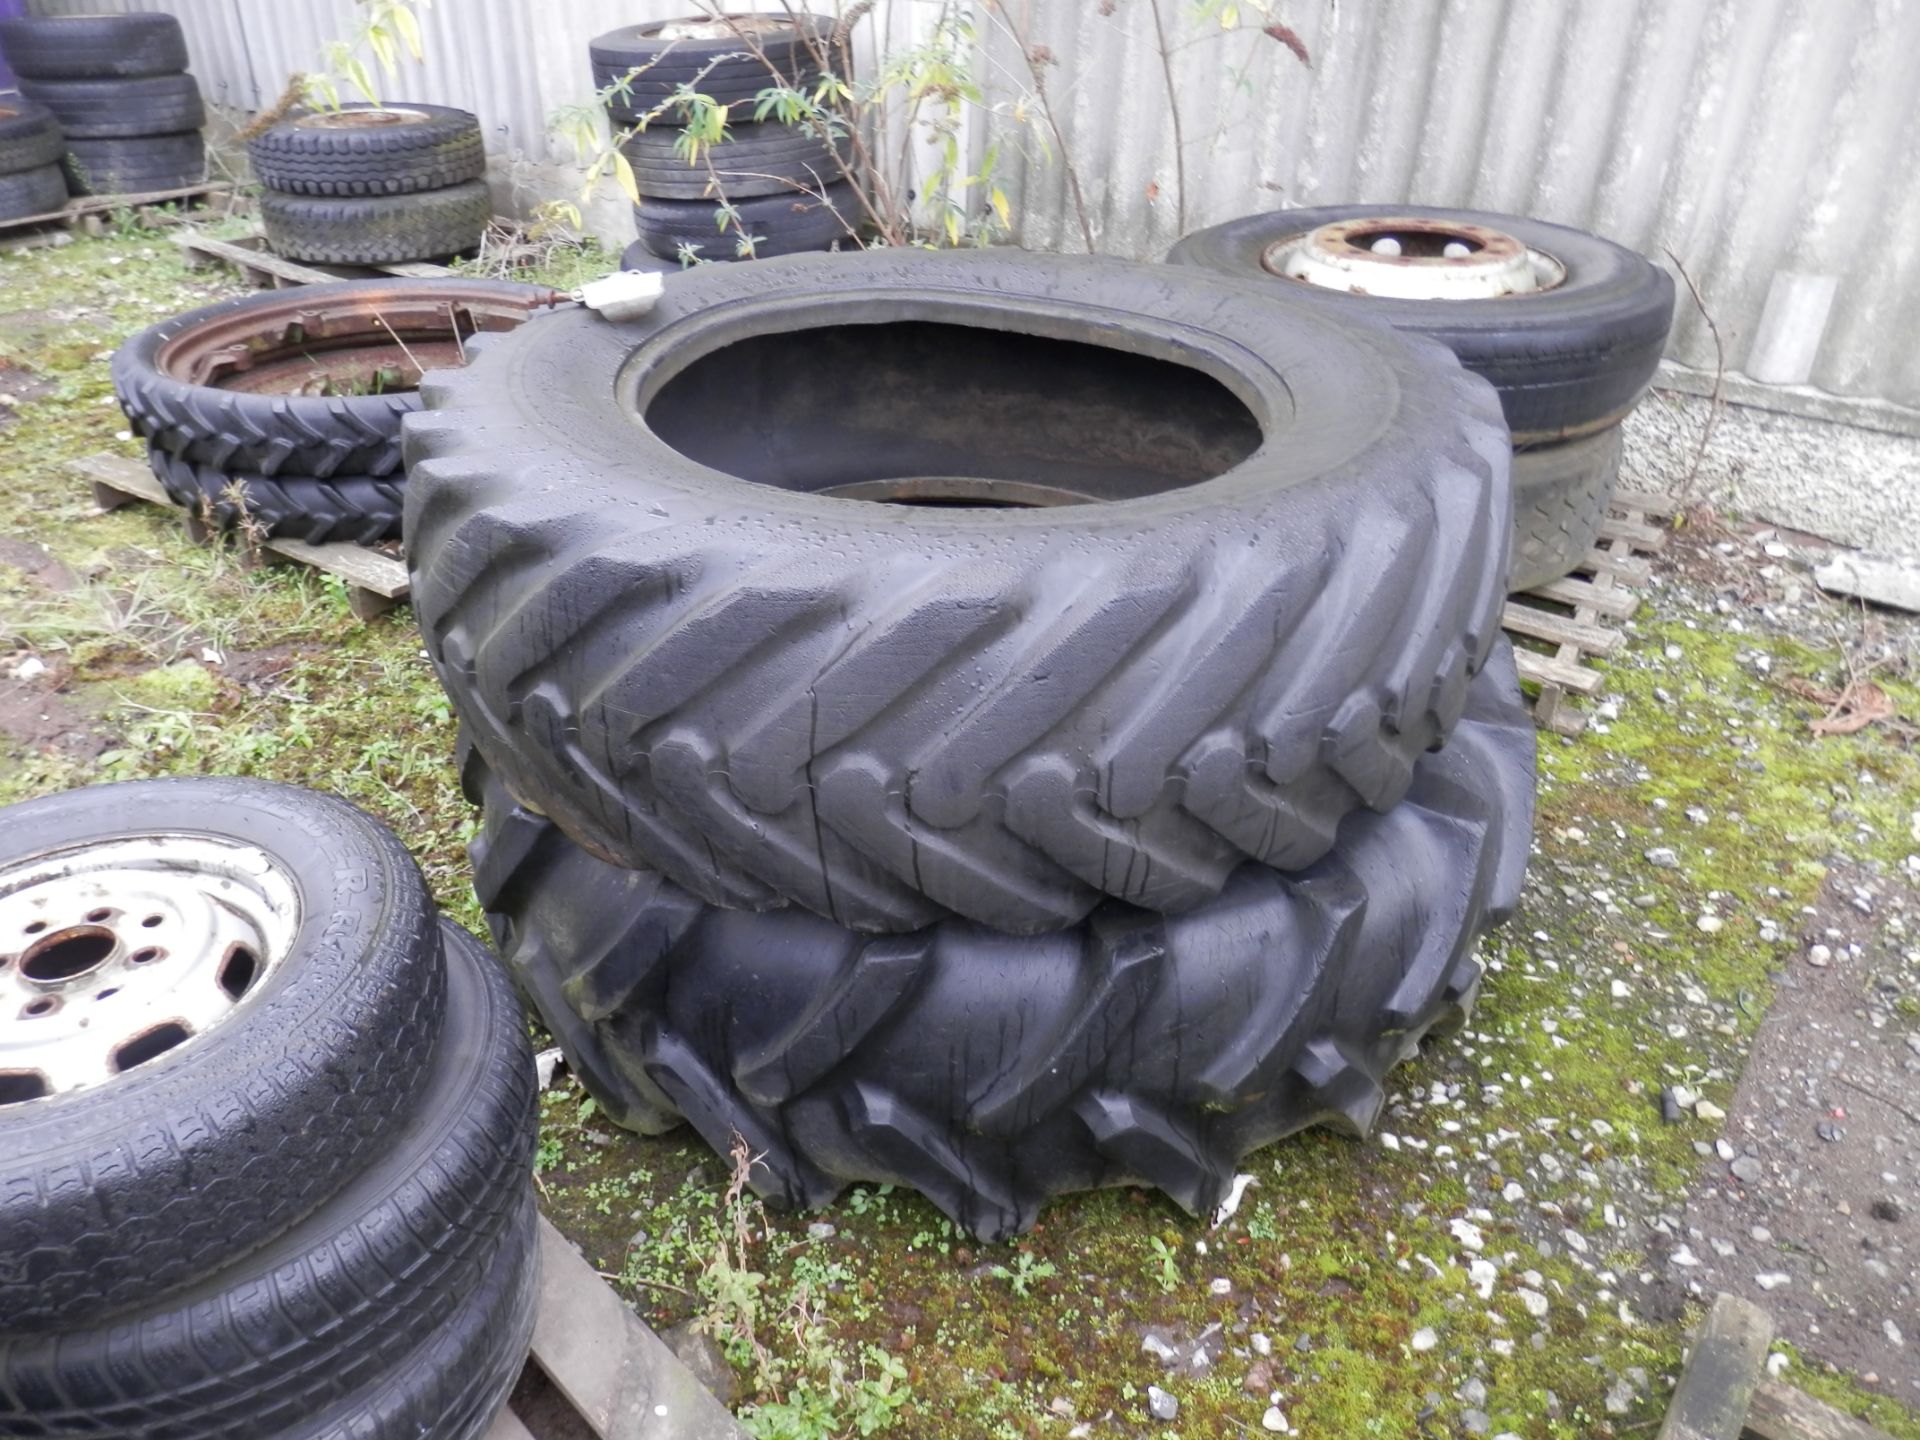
(119, 109)
(752, 160)
(361, 509)
(1567, 360)
(29, 137)
(1560, 498)
(991, 1072)
(370, 150)
(780, 687)
(87, 47)
(377, 229)
(790, 223)
(204, 1130)
(648, 66)
(135, 165)
(32, 192)
(326, 1314)
(310, 382)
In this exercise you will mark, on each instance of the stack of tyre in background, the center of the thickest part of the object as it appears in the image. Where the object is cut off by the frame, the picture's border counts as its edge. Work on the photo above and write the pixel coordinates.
(964, 720)
(1567, 326)
(266, 1127)
(373, 184)
(280, 412)
(786, 188)
(31, 182)
(119, 88)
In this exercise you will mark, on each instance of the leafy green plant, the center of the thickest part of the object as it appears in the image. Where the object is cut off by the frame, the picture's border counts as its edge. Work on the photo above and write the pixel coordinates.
(1026, 1270)
(1165, 1266)
(383, 29)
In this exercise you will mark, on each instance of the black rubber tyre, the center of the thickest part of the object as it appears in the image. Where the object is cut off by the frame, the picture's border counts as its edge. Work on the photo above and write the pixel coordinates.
(1566, 361)
(331, 1310)
(377, 229)
(135, 166)
(752, 160)
(407, 149)
(885, 712)
(29, 137)
(90, 47)
(363, 509)
(1560, 496)
(121, 109)
(32, 192)
(113, 1195)
(637, 257)
(792, 223)
(991, 1072)
(271, 432)
(727, 70)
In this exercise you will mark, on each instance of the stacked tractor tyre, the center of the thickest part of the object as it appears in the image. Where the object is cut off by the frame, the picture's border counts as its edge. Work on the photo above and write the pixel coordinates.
(765, 189)
(118, 86)
(279, 413)
(1083, 781)
(266, 1127)
(1567, 326)
(373, 184)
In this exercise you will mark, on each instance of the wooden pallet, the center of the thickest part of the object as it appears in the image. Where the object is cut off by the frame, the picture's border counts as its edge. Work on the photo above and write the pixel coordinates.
(617, 1378)
(375, 582)
(1724, 1394)
(88, 214)
(1579, 614)
(250, 255)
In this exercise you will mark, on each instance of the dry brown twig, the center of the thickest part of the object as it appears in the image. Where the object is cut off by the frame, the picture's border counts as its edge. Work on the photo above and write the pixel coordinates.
(1716, 402)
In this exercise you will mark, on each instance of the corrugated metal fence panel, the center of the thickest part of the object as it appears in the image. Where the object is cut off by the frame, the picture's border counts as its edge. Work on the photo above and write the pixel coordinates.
(1747, 137)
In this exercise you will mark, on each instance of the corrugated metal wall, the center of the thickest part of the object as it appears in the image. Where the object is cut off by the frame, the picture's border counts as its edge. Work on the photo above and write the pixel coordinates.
(1752, 138)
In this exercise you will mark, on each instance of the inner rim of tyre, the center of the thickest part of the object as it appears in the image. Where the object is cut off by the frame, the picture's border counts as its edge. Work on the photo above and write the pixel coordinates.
(1412, 257)
(936, 406)
(363, 119)
(368, 341)
(113, 954)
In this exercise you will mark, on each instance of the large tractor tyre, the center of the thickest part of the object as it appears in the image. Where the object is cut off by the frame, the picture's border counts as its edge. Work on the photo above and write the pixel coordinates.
(359, 509)
(309, 382)
(93, 47)
(226, 994)
(992, 1071)
(370, 150)
(1567, 326)
(985, 583)
(332, 1311)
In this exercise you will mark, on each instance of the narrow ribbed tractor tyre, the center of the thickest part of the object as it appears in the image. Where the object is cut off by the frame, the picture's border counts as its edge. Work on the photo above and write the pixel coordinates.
(29, 136)
(377, 229)
(92, 47)
(397, 1298)
(399, 149)
(991, 1072)
(212, 1125)
(360, 509)
(136, 165)
(121, 109)
(715, 644)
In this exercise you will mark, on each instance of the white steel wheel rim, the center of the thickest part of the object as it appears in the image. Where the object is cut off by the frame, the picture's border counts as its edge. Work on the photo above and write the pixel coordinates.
(113, 954)
(1414, 257)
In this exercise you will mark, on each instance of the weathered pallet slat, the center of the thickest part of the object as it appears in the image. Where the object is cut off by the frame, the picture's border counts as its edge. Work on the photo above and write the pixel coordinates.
(1717, 1385)
(1780, 1412)
(249, 254)
(375, 582)
(89, 212)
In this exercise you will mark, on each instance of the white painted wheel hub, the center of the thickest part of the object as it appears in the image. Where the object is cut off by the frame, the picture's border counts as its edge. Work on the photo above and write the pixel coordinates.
(1405, 257)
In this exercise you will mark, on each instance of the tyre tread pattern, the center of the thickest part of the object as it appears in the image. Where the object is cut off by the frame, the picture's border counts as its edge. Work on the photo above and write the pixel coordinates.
(445, 150)
(360, 509)
(377, 229)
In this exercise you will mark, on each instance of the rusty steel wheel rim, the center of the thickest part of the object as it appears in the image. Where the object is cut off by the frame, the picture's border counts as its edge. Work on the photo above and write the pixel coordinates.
(1412, 257)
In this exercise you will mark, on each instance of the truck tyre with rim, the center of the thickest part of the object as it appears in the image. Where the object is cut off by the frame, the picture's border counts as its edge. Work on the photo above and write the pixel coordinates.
(1567, 326)
(718, 645)
(991, 1072)
(424, 1241)
(370, 150)
(217, 998)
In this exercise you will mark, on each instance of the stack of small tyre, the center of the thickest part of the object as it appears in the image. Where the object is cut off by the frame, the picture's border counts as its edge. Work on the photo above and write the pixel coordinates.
(373, 184)
(993, 723)
(279, 413)
(1567, 326)
(765, 189)
(118, 86)
(266, 1127)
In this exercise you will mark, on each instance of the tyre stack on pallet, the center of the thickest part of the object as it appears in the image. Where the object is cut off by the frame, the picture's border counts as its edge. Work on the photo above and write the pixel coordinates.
(373, 184)
(280, 412)
(266, 1127)
(961, 720)
(119, 88)
(766, 189)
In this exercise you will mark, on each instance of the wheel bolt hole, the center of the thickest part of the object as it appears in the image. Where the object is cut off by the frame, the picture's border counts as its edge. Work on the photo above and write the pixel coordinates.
(45, 1005)
(94, 917)
(36, 927)
(143, 1048)
(110, 990)
(237, 971)
(67, 953)
(142, 957)
(151, 921)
